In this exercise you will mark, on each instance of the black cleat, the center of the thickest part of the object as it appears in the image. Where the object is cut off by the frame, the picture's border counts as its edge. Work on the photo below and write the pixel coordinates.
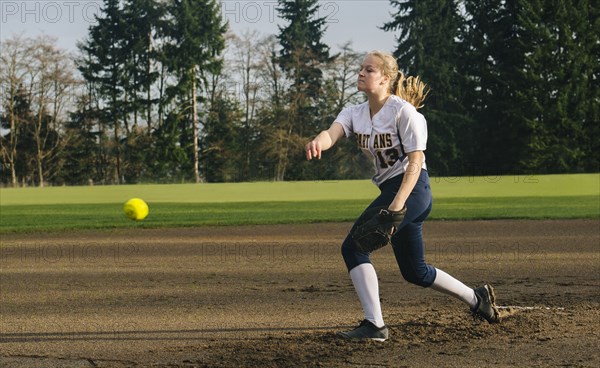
(486, 304)
(367, 331)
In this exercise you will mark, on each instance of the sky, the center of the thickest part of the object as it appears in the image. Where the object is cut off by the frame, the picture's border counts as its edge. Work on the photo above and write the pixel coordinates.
(356, 21)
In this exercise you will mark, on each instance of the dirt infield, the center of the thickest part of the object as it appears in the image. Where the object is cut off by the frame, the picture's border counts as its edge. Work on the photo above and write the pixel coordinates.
(274, 296)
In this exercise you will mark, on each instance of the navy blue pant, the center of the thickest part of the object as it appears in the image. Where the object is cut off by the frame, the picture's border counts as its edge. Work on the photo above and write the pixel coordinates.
(407, 242)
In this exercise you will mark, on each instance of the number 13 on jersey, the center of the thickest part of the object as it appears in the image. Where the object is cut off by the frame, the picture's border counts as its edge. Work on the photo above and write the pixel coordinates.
(387, 158)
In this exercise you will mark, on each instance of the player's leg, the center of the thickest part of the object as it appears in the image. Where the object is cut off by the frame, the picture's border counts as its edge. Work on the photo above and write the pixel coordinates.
(410, 255)
(449, 285)
(362, 272)
(408, 240)
(481, 301)
(364, 278)
(409, 250)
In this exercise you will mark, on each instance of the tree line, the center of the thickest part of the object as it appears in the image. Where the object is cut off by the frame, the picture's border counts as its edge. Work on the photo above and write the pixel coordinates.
(161, 91)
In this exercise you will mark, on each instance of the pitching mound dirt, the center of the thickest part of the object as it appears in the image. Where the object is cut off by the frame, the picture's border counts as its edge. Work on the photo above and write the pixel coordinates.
(275, 296)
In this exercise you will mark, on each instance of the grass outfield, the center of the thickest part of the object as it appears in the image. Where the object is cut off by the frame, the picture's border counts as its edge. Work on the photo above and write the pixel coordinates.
(100, 207)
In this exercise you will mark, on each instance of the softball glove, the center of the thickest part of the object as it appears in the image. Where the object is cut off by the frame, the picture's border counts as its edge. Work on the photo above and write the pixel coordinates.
(375, 228)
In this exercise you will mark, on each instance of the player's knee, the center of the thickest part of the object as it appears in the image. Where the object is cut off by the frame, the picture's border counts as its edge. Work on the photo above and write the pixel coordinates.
(348, 257)
(411, 277)
(420, 276)
(353, 257)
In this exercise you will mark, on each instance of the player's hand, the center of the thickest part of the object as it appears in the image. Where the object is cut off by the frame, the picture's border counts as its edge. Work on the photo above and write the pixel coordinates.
(313, 150)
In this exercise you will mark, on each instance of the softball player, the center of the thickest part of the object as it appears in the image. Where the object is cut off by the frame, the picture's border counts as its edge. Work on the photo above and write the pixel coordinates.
(393, 134)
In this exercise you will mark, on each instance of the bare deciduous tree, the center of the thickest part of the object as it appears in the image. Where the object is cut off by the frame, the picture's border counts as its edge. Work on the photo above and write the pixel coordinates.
(14, 58)
(53, 86)
(44, 73)
(344, 72)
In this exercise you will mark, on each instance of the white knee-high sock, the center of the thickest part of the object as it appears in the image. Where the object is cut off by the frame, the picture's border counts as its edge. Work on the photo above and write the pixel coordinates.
(366, 285)
(451, 286)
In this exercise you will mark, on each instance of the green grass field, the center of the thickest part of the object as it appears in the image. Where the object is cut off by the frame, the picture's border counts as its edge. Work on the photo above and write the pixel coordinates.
(100, 207)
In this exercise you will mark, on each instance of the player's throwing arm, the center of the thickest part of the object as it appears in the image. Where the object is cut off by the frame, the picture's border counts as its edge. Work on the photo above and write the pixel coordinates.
(324, 141)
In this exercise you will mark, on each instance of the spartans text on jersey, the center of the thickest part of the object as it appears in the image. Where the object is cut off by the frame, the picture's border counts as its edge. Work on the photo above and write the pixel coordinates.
(379, 141)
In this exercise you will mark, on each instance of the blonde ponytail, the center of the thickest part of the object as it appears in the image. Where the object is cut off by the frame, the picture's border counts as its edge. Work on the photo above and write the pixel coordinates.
(411, 89)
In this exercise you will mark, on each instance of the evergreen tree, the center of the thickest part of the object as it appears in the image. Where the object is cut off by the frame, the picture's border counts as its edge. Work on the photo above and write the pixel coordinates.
(195, 41)
(102, 63)
(88, 109)
(428, 46)
(560, 68)
(530, 66)
(493, 65)
(220, 140)
(590, 41)
(303, 53)
(143, 19)
(168, 160)
(84, 161)
(136, 145)
(302, 57)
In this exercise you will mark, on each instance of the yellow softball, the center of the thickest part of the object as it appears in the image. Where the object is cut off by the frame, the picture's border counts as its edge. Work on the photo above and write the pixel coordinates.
(136, 209)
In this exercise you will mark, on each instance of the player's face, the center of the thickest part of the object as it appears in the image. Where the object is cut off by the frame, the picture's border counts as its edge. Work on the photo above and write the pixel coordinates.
(370, 77)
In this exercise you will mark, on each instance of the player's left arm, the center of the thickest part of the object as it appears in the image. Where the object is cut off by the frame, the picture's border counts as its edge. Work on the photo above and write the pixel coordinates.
(411, 176)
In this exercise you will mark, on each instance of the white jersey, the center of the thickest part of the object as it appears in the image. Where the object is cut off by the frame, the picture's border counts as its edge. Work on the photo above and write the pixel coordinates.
(394, 131)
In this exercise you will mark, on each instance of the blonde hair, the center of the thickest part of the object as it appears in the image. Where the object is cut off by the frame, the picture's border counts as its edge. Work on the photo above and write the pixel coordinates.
(412, 89)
